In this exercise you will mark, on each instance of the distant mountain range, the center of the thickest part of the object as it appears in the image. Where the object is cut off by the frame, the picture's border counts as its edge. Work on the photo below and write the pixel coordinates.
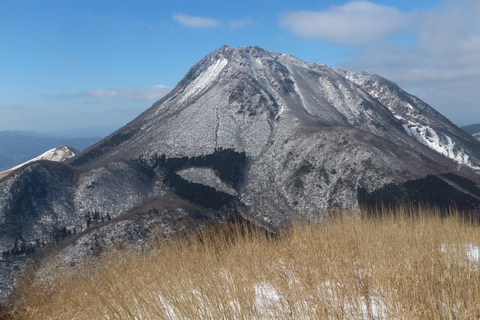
(16, 147)
(473, 129)
(246, 134)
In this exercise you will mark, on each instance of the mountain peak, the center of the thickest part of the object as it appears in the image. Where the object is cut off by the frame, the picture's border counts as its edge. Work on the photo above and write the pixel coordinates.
(241, 98)
(239, 56)
(242, 50)
(247, 132)
(57, 154)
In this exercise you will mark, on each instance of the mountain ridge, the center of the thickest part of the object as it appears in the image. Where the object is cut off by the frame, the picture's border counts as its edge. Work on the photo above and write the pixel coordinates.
(241, 57)
(301, 138)
(19, 146)
(58, 154)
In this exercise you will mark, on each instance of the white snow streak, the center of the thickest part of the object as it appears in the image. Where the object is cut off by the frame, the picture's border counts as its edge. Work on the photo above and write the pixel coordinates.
(204, 79)
(441, 143)
(448, 147)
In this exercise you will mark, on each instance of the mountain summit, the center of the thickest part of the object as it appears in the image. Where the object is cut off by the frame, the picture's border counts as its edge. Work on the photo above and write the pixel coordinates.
(58, 154)
(246, 133)
(241, 98)
(313, 134)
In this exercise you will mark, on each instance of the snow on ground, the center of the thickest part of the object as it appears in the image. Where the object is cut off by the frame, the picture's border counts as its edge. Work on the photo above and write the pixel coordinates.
(439, 142)
(469, 250)
(271, 302)
(449, 148)
(204, 79)
(473, 252)
(57, 154)
(206, 176)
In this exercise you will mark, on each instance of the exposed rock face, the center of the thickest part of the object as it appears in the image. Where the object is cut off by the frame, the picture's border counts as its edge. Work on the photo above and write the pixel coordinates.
(262, 134)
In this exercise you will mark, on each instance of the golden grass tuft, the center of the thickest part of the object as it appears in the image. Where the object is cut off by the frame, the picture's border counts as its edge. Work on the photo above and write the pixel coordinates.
(391, 266)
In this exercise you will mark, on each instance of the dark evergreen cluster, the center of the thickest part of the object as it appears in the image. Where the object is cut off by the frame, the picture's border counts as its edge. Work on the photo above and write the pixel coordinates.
(22, 247)
(465, 183)
(304, 169)
(60, 233)
(197, 193)
(227, 163)
(19, 247)
(430, 190)
(104, 147)
(95, 217)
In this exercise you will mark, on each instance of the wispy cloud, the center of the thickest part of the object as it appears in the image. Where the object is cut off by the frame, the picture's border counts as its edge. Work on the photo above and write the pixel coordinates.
(195, 22)
(355, 23)
(238, 24)
(11, 106)
(205, 22)
(151, 93)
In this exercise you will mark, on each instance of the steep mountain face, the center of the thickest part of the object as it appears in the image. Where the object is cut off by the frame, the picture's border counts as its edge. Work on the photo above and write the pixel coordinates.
(247, 132)
(312, 133)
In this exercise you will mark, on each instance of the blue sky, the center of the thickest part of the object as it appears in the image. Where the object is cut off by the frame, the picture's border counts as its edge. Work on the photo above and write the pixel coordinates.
(68, 64)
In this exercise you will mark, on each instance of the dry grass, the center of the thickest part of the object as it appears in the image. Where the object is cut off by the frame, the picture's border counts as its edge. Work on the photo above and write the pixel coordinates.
(390, 267)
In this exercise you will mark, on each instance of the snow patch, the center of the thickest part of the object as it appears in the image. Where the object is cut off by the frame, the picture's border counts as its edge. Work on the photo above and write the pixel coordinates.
(267, 298)
(446, 146)
(205, 78)
(470, 250)
(58, 154)
(206, 176)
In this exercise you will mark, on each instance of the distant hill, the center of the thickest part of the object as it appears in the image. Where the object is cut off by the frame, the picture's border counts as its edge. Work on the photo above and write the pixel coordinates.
(17, 147)
(58, 154)
(473, 129)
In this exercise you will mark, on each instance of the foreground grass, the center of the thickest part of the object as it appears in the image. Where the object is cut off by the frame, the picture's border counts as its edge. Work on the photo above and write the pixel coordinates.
(393, 267)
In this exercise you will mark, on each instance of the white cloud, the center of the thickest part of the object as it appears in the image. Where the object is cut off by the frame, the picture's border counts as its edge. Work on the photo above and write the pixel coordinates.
(439, 62)
(355, 23)
(152, 93)
(195, 22)
(238, 24)
(441, 65)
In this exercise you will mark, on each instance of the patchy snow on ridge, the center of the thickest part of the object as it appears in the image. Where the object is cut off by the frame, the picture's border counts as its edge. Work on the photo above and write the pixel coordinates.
(441, 143)
(204, 79)
(449, 148)
(206, 176)
(58, 154)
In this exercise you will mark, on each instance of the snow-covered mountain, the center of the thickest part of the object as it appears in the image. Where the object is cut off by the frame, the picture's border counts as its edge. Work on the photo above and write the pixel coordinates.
(313, 134)
(20, 146)
(246, 133)
(58, 154)
(222, 100)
